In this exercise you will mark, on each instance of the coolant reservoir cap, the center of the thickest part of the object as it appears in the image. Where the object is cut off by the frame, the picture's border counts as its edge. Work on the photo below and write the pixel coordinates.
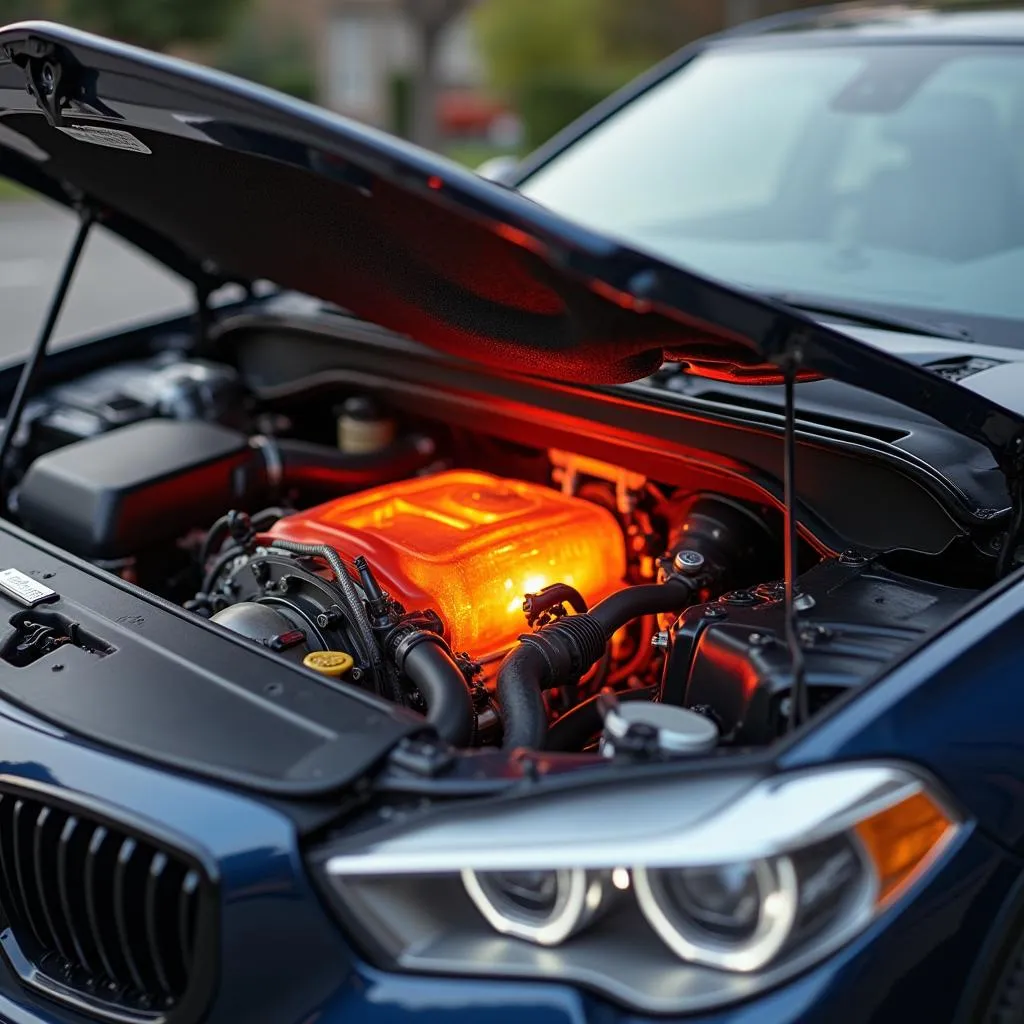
(329, 663)
(680, 731)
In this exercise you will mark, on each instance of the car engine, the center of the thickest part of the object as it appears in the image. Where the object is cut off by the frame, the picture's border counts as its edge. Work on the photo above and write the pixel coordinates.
(514, 597)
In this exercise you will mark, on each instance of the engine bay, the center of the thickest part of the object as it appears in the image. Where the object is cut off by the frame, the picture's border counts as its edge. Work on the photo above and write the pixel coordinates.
(512, 595)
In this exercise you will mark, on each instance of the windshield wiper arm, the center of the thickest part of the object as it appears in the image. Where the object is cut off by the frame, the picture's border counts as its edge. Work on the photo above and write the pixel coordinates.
(868, 317)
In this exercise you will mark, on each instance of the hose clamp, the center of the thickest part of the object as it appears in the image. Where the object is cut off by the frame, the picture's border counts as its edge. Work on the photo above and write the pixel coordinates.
(401, 640)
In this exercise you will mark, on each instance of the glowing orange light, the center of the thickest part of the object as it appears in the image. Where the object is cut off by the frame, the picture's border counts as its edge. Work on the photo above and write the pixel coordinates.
(900, 839)
(471, 546)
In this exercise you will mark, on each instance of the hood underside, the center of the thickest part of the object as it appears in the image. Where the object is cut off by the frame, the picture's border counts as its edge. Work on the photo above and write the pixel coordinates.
(225, 181)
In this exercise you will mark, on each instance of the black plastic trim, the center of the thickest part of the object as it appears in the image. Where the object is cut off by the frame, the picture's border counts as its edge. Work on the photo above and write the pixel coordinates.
(311, 739)
(153, 881)
(67, 892)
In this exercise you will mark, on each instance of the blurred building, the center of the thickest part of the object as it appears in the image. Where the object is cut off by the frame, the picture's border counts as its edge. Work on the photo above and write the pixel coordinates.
(364, 52)
(369, 44)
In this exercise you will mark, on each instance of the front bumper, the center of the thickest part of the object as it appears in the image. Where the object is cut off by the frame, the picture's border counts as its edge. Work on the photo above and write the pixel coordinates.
(284, 960)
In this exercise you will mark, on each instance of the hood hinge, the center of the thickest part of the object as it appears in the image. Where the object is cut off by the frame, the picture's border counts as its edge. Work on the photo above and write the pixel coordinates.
(50, 74)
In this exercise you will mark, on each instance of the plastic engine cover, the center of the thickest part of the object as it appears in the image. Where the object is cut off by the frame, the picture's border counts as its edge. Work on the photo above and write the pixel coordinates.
(470, 545)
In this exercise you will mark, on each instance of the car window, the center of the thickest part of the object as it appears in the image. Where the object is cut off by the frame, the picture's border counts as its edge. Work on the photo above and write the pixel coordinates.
(668, 157)
(887, 174)
(115, 285)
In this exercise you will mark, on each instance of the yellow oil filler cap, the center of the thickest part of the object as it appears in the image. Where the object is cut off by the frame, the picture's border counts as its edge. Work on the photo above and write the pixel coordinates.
(329, 663)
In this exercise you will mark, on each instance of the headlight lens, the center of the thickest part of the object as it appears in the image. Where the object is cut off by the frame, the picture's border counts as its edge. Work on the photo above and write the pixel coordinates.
(668, 895)
(545, 907)
(733, 916)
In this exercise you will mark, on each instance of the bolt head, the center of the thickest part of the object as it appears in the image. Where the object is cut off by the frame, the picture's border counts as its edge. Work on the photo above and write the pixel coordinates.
(852, 557)
(688, 561)
(660, 639)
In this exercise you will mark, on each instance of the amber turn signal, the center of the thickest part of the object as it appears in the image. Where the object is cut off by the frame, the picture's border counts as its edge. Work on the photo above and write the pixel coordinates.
(902, 840)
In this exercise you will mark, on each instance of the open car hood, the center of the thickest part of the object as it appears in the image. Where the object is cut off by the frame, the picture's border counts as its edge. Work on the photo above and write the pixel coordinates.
(224, 181)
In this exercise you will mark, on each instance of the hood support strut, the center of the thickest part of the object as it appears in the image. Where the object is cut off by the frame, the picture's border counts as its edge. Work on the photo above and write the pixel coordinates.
(798, 710)
(30, 371)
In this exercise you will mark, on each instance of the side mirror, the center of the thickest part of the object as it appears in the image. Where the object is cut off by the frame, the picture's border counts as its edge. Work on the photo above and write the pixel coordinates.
(500, 169)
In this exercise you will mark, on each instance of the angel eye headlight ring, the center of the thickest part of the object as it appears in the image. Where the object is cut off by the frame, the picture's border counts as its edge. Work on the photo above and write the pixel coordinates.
(544, 907)
(770, 912)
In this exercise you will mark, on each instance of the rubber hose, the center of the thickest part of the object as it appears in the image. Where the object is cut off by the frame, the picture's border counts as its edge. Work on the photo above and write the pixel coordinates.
(214, 539)
(616, 611)
(443, 686)
(546, 658)
(266, 517)
(316, 465)
(347, 587)
(223, 559)
(580, 724)
(523, 715)
(217, 534)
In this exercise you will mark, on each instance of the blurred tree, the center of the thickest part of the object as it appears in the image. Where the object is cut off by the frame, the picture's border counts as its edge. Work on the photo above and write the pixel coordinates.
(428, 19)
(524, 38)
(155, 24)
(643, 32)
(553, 59)
(23, 10)
(273, 56)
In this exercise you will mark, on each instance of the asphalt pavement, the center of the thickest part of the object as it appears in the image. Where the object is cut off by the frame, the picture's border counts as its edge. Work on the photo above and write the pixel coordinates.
(115, 284)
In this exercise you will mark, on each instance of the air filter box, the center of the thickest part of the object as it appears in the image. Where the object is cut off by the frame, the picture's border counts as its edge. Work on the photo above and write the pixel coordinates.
(118, 493)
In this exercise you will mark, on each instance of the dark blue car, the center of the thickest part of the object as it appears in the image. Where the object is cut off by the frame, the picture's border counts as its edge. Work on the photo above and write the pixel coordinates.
(594, 600)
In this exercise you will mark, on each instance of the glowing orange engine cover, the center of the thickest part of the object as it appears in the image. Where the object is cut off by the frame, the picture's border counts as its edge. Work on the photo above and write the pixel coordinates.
(470, 545)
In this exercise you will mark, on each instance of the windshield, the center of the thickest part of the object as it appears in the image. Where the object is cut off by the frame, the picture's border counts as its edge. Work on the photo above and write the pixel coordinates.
(890, 176)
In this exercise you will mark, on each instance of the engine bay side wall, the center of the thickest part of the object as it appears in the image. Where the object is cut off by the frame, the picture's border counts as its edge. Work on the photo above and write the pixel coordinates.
(838, 485)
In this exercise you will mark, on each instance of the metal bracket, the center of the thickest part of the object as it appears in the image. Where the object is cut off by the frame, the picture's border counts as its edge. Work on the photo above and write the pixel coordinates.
(50, 76)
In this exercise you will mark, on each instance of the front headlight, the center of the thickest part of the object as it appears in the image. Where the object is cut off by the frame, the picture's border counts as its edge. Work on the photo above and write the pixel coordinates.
(545, 907)
(669, 895)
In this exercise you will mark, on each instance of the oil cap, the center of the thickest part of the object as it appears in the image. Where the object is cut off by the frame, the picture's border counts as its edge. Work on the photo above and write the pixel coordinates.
(676, 730)
(329, 663)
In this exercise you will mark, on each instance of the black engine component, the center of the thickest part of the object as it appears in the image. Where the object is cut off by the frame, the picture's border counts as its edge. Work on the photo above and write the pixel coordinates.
(289, 602)
(296, 599)
(717, 543)
(729, 658)
(146, 484)
(166, 386)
